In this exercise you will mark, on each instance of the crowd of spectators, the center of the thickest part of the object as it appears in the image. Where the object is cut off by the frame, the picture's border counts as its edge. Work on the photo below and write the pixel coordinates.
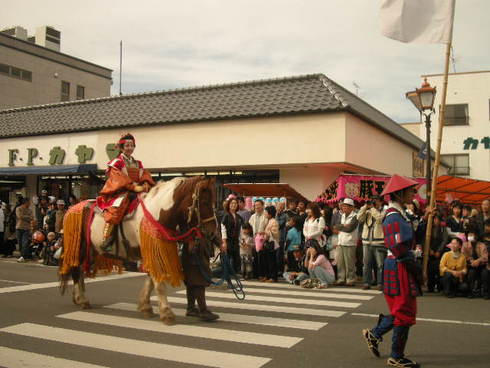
(318, 244)
(33, 227)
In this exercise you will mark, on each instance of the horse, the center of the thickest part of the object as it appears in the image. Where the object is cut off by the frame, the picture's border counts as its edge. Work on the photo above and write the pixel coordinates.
(180, 205)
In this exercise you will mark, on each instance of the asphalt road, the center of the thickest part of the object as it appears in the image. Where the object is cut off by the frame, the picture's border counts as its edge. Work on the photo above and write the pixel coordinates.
(278, 326)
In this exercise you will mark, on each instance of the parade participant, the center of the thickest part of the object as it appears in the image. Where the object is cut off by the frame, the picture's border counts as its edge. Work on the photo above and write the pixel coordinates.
(59, 215)
(125, 177)
(401, 278)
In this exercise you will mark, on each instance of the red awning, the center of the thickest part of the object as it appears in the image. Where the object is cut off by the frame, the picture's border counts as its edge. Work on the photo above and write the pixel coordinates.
(469, 191)
(265, 190)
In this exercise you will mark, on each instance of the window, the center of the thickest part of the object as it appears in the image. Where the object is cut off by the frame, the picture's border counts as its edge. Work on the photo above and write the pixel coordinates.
(456, 115)
(14, 72)
(27, 75)
(4, 69)
(80, 92)
(459, 164)
(65, 91)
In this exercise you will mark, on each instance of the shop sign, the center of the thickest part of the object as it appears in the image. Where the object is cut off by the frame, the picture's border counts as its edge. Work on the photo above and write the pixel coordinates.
(359, 187)
(472, 143)
(56, 155)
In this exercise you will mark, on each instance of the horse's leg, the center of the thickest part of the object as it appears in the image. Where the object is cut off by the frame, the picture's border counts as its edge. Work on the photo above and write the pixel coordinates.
(79, 288)
(144, 305)
(166, 314)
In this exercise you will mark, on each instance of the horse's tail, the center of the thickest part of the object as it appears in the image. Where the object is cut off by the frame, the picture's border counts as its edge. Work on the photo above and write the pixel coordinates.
(72, 240)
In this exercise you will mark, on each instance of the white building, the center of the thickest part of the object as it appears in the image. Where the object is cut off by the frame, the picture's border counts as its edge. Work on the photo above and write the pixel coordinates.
(466, 135)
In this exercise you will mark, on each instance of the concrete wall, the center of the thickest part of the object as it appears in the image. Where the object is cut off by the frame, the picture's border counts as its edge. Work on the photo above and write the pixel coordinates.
(474, 90)
(369, 147)
(45, 87)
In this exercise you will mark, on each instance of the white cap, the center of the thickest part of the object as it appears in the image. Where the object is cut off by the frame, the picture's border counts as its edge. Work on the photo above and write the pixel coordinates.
(60, 201)
(348, 201)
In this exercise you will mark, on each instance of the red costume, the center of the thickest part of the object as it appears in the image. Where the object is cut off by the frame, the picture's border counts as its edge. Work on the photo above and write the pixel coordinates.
(124, 175)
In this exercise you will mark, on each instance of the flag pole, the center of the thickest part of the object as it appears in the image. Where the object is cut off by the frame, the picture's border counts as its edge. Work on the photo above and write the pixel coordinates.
(438, 150)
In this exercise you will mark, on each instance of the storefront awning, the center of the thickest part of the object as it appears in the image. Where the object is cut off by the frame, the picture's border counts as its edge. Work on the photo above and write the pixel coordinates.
(469, 191)
(265, 190)
(48, 170)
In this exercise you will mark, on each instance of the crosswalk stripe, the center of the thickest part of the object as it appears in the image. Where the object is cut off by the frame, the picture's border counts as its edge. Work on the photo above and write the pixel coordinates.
(302, 293)
(137, 347)
(334, 289)
(186, 330)
(14, 358)
(46, 285)
(240, 318)
(263, 307)
(274, 299)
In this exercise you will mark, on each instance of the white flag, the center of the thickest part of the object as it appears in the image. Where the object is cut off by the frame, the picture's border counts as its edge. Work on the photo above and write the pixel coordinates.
(425, 21)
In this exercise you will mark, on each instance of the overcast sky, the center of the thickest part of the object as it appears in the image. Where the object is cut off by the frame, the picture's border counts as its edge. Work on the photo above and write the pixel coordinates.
(181, 43)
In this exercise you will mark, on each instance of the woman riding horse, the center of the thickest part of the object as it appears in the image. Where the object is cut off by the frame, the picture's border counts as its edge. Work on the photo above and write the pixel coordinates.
(125, 177)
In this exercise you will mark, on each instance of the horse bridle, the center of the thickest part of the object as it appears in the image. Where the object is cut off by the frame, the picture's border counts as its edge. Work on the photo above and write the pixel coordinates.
(196, 209)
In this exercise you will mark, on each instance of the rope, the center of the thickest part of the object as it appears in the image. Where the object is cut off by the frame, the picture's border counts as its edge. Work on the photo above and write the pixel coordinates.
(228, 275)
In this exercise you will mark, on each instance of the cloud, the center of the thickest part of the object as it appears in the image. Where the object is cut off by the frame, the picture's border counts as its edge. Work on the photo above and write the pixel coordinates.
(170, 44)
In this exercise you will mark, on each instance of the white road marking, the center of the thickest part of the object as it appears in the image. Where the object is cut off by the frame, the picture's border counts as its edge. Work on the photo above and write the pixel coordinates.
(262, 307)
(431, 320)
(186, 330)
(13, 358)
(46, 285)
(300, 293)
(137, 347)
(288, 286)
(306, 303)
(240, 318)
(15, 282)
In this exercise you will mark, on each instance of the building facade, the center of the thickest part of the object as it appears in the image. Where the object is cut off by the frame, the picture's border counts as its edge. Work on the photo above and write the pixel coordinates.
(33, 71)
(304, 131)
(466, 134)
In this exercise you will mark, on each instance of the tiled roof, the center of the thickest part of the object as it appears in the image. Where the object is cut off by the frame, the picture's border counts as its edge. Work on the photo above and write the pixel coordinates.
(262, 98)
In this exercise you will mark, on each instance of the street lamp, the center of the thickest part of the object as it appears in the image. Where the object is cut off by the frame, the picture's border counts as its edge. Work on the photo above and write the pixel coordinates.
(423, 99)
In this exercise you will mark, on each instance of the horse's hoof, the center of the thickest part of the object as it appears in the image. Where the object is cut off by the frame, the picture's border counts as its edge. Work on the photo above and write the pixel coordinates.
(148, 313)
(169, 321)
(85, 305)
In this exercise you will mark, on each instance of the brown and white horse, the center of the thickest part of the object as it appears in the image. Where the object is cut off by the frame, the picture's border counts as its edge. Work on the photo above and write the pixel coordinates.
(179, 204)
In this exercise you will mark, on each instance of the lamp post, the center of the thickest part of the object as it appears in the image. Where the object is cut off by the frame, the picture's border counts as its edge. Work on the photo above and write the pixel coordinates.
(423, 99)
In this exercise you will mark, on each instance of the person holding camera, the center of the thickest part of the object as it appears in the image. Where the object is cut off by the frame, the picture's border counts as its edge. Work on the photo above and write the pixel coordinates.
(372, 214)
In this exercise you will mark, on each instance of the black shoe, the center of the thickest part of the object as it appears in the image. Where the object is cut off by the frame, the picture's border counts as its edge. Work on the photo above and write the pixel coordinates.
(372, 342)
(402, 363)
(192, 312)
(208, 316)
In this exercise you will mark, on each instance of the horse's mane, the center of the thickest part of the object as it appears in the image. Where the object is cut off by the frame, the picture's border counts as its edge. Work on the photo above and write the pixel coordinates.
(186, 184)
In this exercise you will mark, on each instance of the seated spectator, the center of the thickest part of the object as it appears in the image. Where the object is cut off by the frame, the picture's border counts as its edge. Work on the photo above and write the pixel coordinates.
(301, 273)
(246, 245)
(49, 250)
(476, 256)
(486, 271)
(293, 243)
(453, 270)
(319, 266)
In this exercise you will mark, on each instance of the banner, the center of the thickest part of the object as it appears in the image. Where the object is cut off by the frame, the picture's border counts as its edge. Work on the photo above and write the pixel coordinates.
(425, 21)
(360, 188)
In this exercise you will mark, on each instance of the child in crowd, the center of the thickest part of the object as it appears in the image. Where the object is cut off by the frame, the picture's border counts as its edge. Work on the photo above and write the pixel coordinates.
(295, 277)
(293, 243)
(246, 245)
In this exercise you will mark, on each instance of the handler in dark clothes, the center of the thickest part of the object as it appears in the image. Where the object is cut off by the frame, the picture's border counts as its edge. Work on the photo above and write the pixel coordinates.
(197, 276)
